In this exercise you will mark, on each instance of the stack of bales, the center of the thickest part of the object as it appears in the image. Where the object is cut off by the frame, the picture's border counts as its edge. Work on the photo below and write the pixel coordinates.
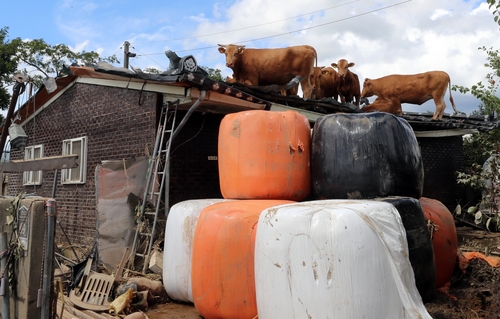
(264, 250)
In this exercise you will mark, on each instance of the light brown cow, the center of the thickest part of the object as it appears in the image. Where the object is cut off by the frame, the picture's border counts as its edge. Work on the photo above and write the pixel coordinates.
(392, 90)
(278, 66)
(348, 84)
(325, 83)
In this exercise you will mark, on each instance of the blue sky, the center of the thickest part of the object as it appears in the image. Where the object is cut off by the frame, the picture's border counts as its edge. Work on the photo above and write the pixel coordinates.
(382, 37)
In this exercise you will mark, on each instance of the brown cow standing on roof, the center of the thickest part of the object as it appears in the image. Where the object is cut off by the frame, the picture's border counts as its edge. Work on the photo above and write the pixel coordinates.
(392, 90)
(278, 66)
(325, 83)
(348, 85)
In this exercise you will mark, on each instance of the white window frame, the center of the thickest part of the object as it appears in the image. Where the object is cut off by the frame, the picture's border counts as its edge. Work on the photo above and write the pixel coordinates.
(30, 177)
(77, 175)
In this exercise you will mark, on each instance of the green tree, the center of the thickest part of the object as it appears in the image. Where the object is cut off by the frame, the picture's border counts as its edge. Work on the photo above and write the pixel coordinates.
(36, 59)
(7, 68)
(486, 92)
(49, 60)
(483, 207)
(214, 74)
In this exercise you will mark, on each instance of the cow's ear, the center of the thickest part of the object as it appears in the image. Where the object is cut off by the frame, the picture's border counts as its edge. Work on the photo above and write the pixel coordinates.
(241, 50)
(334, 65)
(350, 65)
(367, 80)
(222, 50)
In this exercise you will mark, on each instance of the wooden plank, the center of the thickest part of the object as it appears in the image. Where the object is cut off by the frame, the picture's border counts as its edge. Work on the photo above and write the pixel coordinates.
(40, 164)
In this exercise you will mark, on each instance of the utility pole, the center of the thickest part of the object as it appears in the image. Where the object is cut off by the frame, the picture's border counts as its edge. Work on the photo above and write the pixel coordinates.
(127, 54)
(18, 89)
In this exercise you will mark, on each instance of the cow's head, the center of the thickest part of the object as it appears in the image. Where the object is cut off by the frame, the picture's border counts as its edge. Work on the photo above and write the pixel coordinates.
(367, 88)
(343, 67)
(315, 77)
(232, 53)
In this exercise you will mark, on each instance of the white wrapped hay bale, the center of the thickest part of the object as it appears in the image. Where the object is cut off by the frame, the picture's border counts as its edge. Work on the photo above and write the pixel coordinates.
(334, 259)
(179, 232)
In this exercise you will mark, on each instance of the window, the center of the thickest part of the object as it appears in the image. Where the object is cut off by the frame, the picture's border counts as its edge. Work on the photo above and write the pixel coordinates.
(75, 175)
(32, 177)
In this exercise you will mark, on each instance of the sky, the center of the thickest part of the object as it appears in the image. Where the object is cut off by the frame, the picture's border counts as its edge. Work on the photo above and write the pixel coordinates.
(382, 37)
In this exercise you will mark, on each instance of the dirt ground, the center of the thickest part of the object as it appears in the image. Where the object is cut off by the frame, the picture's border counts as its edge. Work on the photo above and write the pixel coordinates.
(473, 293)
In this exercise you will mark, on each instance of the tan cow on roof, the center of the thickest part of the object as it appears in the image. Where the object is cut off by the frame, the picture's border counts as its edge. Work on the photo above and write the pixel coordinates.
(325, 83)
(260, 67)
(392, 90)
(348, 85)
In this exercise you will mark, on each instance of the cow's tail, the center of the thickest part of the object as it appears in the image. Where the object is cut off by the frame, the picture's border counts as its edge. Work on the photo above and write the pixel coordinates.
(316, 56)
(451, 97)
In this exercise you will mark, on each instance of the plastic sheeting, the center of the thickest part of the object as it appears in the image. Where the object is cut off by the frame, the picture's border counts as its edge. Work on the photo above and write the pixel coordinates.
(334, 259)
(116, 183)
(179, 233)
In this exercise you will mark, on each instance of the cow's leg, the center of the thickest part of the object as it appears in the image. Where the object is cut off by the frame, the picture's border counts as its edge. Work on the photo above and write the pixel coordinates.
(356, 100)
(342, 98)
(440, 107)
(307, 88)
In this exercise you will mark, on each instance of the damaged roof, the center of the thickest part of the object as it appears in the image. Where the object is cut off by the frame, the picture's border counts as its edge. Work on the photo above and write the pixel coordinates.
(185, 80)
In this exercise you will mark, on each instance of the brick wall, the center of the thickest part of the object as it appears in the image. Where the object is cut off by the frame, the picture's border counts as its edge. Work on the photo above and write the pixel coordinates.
(116, 126)
(119, 127)
(442, 157)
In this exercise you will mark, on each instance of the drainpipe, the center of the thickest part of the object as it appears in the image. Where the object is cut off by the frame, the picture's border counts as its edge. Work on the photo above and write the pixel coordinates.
(174, 134)
(166, 172)
(48, 269)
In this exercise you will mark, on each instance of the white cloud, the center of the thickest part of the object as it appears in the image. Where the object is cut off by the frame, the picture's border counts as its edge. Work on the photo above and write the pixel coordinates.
(440, 13)
(381, 36)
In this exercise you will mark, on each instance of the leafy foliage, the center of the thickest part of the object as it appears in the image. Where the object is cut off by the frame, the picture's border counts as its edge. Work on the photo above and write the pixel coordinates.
(213, 74)
(49, 60)
(484, 182)
(486, 92)
(37, 60)
(7, 67)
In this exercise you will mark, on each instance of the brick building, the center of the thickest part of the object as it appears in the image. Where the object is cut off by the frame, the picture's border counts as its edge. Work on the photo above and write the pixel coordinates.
(112, 115)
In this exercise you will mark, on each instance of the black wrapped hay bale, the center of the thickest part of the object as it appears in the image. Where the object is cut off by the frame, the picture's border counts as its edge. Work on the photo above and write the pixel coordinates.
(420, 248)
(362, 156)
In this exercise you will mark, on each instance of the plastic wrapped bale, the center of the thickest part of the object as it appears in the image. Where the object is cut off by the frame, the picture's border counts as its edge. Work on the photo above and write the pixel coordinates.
(444, 238)
(419, 244)
(265, 155)
(179, 234)
(222, 268)
(362, 156)
(334, 259)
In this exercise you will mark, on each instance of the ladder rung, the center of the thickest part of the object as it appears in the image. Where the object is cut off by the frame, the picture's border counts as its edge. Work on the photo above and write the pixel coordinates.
(145, 234)
(140, 255)
(149, 213)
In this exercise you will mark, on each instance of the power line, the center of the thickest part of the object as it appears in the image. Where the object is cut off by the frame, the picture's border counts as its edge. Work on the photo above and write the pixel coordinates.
(295, 31)
(146, 55)
(249, 27)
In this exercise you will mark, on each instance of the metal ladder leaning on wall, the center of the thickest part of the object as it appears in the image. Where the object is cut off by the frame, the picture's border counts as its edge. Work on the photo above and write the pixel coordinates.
(158, 166)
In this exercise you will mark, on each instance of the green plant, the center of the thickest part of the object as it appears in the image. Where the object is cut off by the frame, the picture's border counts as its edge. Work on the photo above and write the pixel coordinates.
(484, 179)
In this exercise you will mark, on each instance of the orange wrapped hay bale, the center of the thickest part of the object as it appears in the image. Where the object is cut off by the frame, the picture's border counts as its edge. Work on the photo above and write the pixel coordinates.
(265, 155)
(222, 262)
(444, 238)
